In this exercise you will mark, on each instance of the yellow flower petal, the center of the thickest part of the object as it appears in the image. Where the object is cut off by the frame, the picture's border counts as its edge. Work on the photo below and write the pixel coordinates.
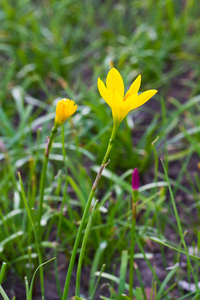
(103, 90)
(70, 110)
(116, 104)
(115, 81)
(136, 101)
(143, 98)
(128, 103)
(134, 88)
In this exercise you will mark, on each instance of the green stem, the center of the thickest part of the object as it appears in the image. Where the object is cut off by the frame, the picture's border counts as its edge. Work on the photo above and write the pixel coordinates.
(65, 196)
(85, 213)
(2, 272)
(156, 204)
(82, 252)
(97, 282)
(180, 229)
(43, 178)
(35, 234)
(2, 292)
(132, 250)
(110, 144)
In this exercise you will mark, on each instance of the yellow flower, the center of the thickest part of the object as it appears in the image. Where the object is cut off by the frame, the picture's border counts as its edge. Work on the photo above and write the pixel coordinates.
(113, 94)
(64, 109)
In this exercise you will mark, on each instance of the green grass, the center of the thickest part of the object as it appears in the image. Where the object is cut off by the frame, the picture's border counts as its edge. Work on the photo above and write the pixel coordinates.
(54, 49)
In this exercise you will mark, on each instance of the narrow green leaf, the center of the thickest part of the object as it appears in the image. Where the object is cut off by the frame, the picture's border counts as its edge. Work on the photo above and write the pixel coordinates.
(123, 271)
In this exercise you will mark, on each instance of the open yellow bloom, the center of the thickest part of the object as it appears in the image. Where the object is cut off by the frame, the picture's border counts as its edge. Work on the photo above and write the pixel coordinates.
(113, 94)
(64, 109)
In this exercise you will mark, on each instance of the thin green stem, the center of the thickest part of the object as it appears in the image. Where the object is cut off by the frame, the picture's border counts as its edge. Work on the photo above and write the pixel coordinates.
(32, 281)
(82, 252)
(156, 203)
(26, 286)
(65, 197)
(42, 185)
(97, 282)
(2, 271)
(63, 144)
(110, 144)
(180, 229)
(75, 248)
(2, 292)
(85, 213)
(43, 178)
(30, 259)
(33, 176)
(34, 230)
(132, 250)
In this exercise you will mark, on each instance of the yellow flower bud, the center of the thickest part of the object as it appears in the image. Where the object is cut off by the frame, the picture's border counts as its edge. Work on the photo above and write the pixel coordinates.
(64, 109)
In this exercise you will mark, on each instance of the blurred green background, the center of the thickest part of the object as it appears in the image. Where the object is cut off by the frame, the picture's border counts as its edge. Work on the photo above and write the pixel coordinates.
(55, 49)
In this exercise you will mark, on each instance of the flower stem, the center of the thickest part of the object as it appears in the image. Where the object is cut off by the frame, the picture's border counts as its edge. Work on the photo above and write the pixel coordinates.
(82, 252)
(85, 213)
(44, 171)
(132, 250)
(110, 144)
(64, 201)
